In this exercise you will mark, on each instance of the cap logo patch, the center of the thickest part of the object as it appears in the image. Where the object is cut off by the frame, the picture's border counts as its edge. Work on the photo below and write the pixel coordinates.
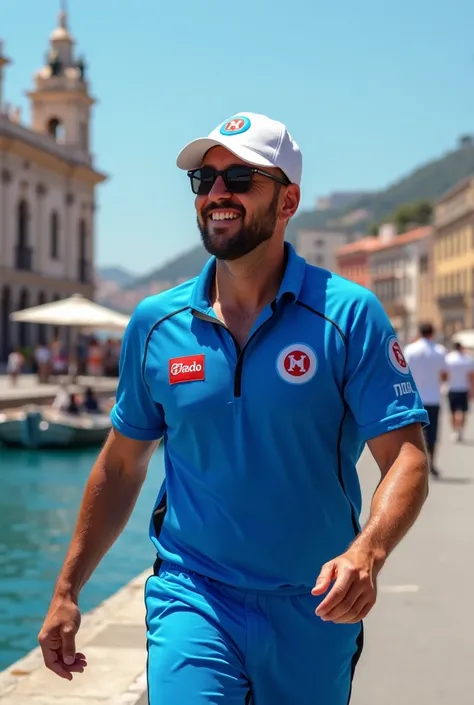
(297, 363)
(396, 357)
(186, 369)
(235, 126)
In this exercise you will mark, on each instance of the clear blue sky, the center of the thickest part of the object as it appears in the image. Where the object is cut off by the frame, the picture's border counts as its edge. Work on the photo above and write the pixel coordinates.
(368, 89)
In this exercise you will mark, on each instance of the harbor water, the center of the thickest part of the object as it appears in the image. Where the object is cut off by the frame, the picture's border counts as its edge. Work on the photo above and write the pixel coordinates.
(40, 493)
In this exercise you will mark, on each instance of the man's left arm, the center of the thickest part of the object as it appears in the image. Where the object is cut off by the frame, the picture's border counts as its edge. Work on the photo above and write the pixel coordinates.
(382, 396)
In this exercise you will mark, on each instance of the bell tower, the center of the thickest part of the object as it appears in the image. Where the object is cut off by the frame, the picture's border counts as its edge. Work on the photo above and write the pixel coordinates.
(60, 101)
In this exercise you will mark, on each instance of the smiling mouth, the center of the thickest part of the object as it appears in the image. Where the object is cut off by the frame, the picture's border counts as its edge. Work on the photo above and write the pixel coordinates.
(223, 215)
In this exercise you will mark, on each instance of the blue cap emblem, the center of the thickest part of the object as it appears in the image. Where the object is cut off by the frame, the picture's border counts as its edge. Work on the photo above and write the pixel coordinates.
(235, 126)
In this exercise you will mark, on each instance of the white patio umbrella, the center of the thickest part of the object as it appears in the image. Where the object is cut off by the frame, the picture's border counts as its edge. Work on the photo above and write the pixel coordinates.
(465, 337)
(77, 312)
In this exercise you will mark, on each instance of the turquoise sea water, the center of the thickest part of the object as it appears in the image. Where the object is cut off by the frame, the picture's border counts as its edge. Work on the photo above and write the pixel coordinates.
(40, 493)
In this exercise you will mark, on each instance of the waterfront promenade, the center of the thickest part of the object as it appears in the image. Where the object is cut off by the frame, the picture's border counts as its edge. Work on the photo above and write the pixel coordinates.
(29, 391)
(419, 637)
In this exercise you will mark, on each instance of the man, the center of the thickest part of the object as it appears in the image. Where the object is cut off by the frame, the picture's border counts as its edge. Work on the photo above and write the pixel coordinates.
(460, 368)
(265, 377)
(426, 360)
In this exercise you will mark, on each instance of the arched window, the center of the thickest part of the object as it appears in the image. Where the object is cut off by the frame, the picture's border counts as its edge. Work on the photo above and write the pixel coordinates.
(82, 239)
(54, 236)
(83, 135)
(23, 252)
(42, 329)
(83, 265)
(22, 224)
(23, 335)
(56, 129)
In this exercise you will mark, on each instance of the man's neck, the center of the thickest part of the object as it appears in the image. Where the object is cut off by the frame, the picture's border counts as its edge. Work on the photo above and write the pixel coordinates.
(251, 282)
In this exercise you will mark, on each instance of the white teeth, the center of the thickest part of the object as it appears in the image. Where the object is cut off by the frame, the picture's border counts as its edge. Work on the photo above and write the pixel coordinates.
(223, 216)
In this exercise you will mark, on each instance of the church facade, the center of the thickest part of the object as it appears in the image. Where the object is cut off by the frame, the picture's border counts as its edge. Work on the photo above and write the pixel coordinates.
(47, 192)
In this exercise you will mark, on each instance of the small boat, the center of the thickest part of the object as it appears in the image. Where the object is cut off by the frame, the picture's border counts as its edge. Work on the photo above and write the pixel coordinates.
(44, 427)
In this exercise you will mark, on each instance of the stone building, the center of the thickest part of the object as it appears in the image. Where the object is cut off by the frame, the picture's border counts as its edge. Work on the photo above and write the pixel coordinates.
(319, 247)
(47, 191)
(454, 258)
(396, 266)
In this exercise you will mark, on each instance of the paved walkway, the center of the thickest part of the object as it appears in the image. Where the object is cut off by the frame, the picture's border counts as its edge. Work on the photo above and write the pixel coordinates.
(419, 637)
(113, 638)
(28, 391)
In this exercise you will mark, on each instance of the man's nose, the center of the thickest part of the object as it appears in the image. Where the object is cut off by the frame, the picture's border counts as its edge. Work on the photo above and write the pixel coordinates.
(218, 190)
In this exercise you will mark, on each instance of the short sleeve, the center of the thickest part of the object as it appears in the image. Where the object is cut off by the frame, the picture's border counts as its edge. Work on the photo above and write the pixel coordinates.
(379, 388)
(135, 414)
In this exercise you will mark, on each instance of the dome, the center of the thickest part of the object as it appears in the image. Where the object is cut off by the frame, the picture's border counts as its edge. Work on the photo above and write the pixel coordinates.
(61, 33)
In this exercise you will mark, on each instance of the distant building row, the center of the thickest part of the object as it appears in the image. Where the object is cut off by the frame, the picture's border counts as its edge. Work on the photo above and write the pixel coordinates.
(426, 274)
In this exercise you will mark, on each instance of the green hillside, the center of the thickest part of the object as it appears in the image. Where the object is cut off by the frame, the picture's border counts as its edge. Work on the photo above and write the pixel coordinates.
(427, 182)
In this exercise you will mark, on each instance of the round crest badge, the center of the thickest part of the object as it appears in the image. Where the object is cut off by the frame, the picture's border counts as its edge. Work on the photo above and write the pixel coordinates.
(297, 363)
(396, 356)
(235, 126)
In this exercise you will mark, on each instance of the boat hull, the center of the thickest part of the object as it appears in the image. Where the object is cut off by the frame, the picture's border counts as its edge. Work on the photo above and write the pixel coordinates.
(47, 428)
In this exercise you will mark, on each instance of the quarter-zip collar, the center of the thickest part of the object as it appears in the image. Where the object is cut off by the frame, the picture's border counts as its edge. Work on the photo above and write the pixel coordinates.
(291, 283)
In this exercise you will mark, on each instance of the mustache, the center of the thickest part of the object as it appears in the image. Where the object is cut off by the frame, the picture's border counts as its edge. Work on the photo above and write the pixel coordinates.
(222, 204)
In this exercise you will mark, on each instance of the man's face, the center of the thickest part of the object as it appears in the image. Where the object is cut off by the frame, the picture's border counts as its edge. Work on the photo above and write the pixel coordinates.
(232, 225)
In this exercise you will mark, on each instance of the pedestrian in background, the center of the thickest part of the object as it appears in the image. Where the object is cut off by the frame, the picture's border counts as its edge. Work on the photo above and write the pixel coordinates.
(460, 366)
(15, 364)
(427, 361)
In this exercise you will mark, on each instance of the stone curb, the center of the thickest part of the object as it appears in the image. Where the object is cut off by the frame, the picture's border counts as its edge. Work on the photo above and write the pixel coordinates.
(92, 623)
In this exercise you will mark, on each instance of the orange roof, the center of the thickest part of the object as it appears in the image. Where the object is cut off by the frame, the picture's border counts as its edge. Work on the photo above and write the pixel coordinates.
(375, 244)
(405, 238)
(363, 245)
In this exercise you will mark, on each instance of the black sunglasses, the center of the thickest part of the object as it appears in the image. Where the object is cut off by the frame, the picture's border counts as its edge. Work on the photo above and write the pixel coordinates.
(237, 179)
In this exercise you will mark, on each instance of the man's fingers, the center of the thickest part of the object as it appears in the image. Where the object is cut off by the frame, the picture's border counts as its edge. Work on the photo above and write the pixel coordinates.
(337, 593)
(60, 671)
(325, 578)
(68, 634)
(345, 606)
(51, 662)
(360, 610)
(77, 667)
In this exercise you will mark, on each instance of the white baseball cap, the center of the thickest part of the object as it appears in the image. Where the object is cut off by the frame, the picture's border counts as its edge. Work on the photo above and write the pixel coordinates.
(257, 139)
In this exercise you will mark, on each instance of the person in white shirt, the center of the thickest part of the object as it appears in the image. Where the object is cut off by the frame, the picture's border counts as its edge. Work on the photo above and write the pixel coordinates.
(460, 387)
(427, 362)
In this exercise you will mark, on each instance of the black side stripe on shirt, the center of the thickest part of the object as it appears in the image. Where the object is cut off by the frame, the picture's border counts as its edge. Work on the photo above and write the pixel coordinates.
(150, 333)
(344, 413)
(326, 318)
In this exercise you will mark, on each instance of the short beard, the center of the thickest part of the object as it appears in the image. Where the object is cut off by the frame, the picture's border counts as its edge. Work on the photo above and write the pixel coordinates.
(248, 238)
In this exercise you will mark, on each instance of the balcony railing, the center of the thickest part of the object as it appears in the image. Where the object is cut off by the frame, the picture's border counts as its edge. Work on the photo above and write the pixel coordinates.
(84, 273)
(24, 258)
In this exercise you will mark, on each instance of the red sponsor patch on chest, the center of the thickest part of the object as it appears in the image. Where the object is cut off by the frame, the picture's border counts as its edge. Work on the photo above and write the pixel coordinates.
(186, 369)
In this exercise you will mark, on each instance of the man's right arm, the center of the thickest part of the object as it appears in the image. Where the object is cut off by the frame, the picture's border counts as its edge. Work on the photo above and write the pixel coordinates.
(109, 498)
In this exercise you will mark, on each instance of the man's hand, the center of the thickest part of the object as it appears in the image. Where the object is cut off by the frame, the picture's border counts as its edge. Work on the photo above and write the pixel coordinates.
(57, 638)
(354, 591)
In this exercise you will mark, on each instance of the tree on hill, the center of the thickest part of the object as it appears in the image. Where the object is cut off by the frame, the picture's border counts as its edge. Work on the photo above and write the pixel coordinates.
(408, 216)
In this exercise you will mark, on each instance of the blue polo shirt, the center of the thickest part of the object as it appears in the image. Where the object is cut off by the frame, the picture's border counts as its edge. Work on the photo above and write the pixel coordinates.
(261, 443)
